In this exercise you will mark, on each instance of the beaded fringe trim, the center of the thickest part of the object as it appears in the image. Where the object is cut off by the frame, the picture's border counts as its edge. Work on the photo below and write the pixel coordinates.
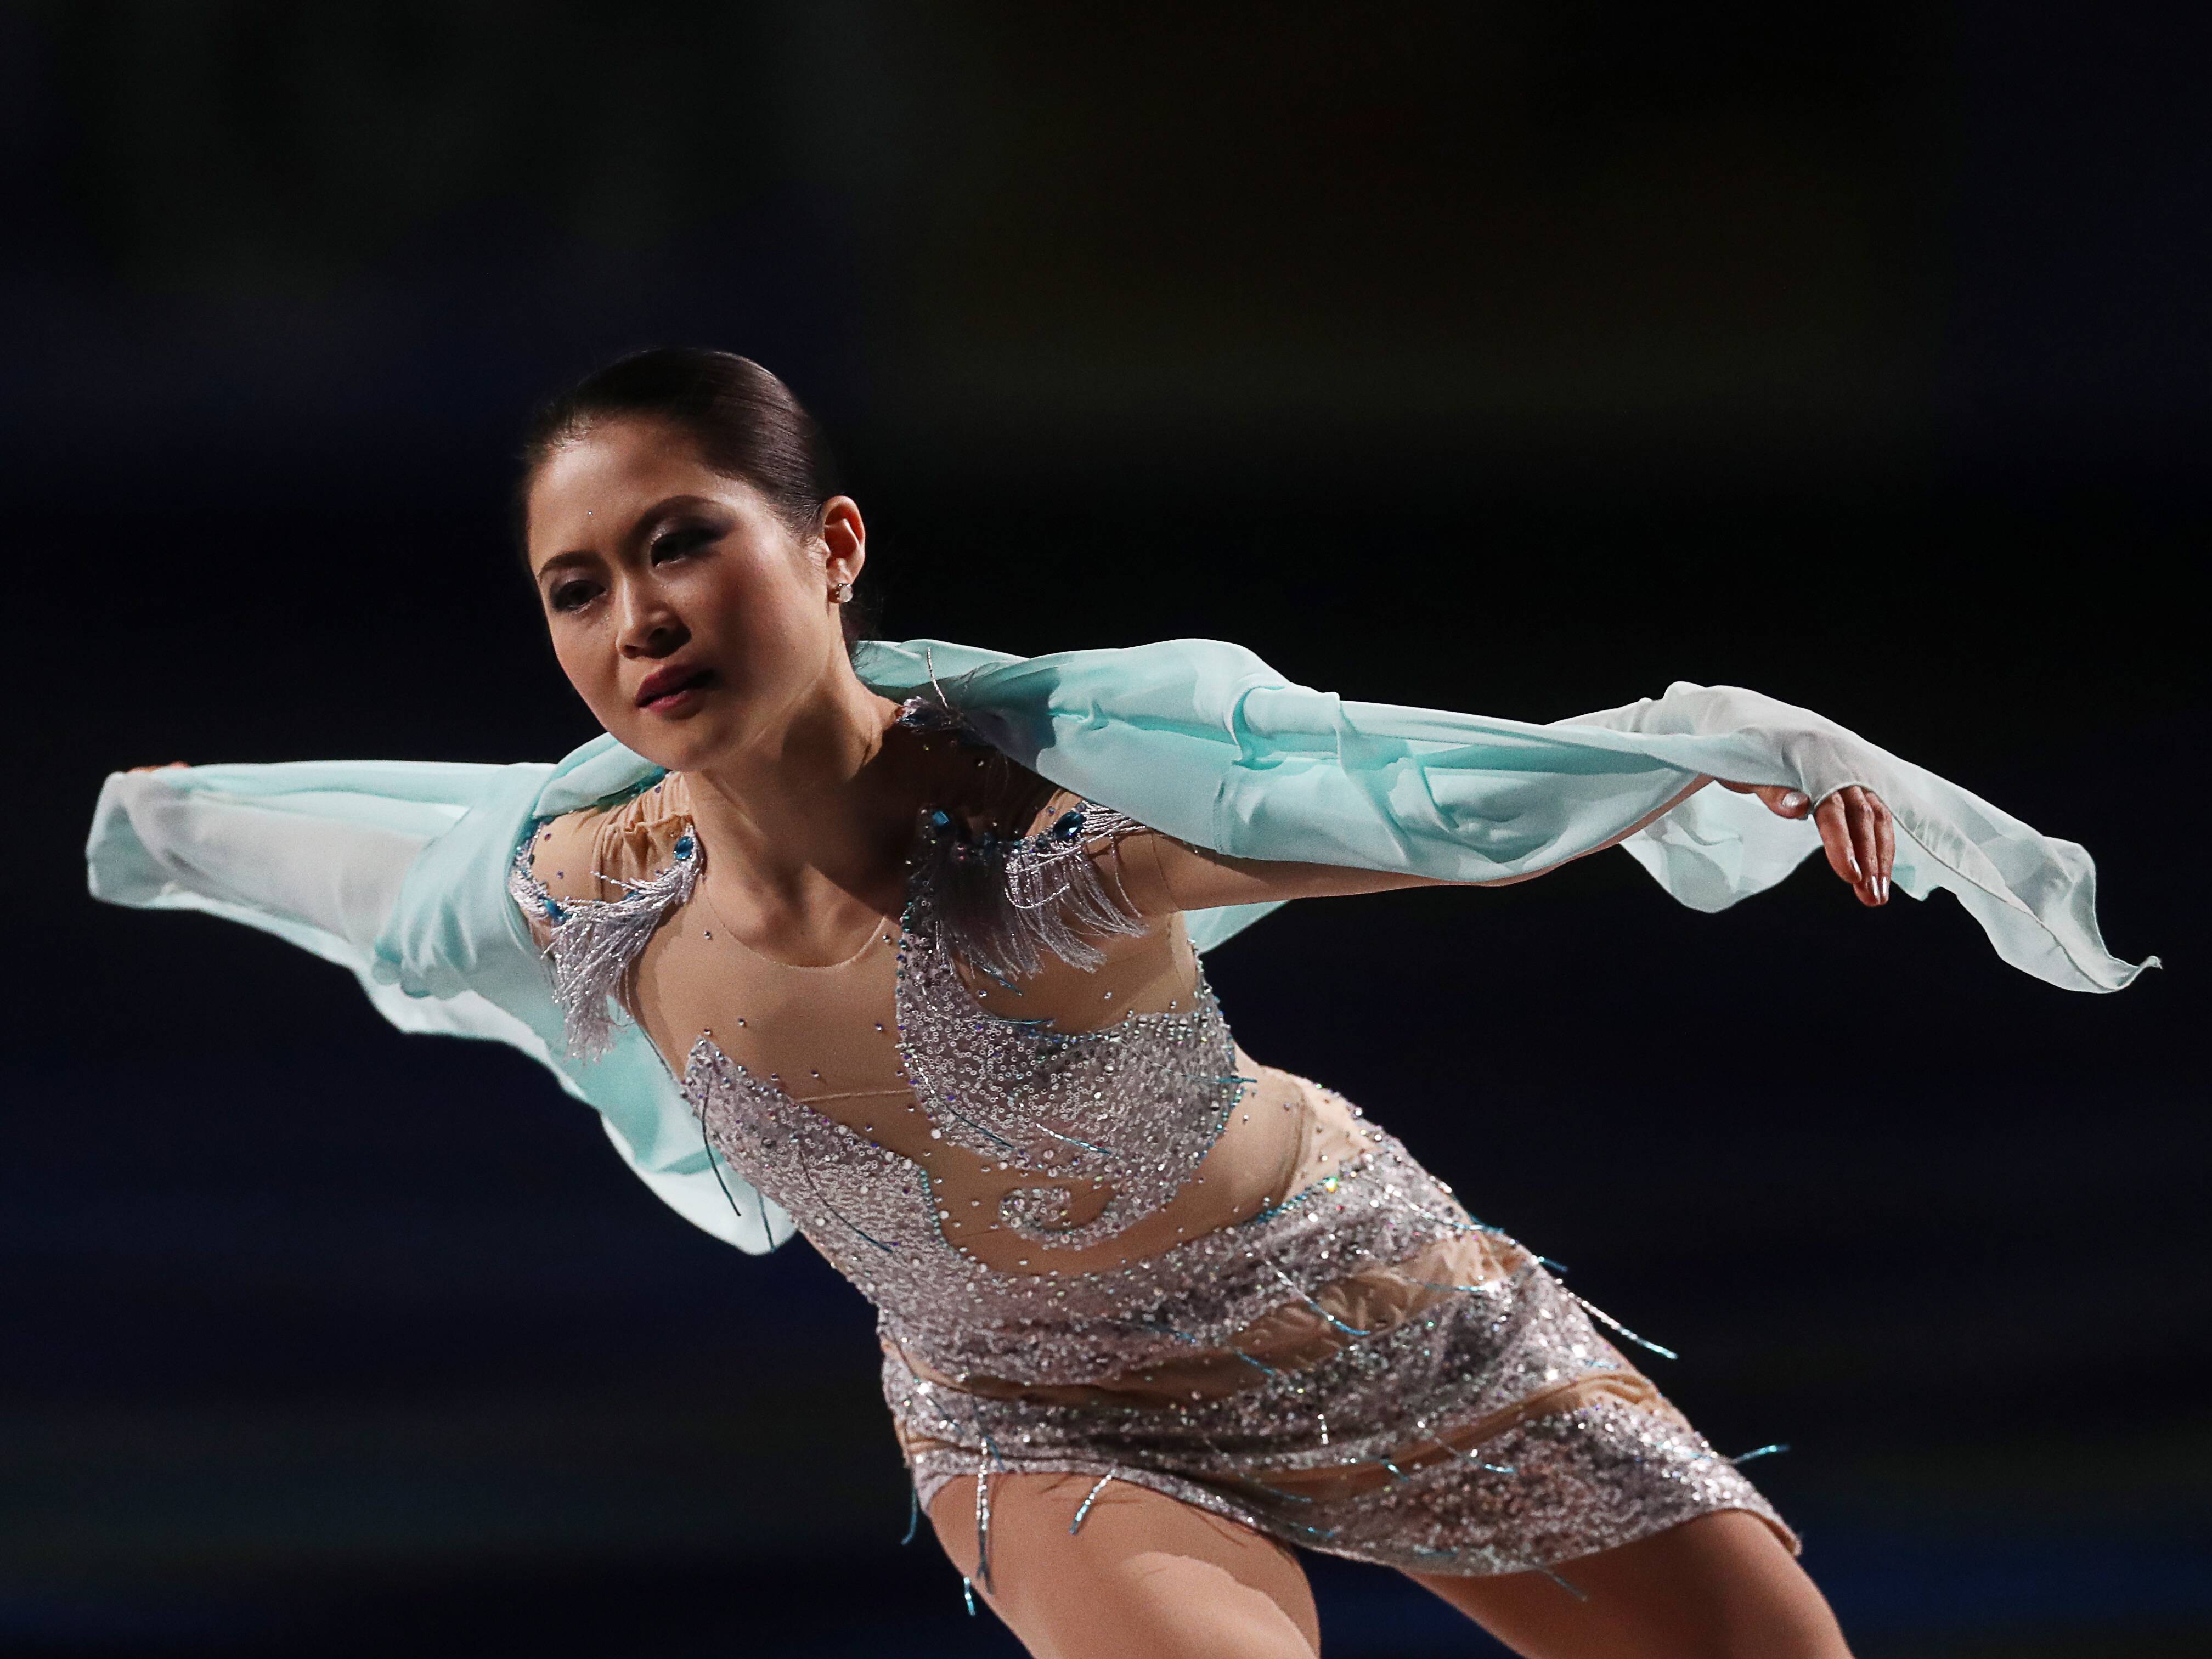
(595, 942)
(1002, 904)
(1004, 901)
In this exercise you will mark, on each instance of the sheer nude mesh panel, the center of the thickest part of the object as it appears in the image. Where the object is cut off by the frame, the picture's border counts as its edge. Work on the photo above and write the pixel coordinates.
(829, 1036)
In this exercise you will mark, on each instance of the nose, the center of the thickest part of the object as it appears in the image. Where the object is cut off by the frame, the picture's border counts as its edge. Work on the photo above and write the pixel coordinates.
(650, 627)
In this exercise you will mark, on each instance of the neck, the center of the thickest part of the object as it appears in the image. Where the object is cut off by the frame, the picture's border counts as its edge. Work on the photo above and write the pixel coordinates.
(813, 801)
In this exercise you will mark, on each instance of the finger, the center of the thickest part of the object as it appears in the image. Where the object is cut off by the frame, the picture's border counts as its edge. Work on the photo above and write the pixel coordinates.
(1836, 838)
(1783, 801)
(1866, 850)
(1885, 828)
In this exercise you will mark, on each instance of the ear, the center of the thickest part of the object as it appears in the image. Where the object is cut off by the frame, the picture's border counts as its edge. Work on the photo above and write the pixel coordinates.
(845, 540)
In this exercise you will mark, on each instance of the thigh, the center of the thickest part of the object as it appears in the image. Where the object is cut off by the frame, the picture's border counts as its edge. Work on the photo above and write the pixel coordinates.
(1143, 1574)
(1719, 1587)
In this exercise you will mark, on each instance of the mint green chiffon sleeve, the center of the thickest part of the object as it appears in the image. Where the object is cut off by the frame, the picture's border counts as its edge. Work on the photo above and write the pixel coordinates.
(397, 871)
(1206, 741)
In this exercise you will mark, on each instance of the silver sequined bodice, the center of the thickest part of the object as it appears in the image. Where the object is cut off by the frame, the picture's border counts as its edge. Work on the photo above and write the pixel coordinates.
(1137, 1105)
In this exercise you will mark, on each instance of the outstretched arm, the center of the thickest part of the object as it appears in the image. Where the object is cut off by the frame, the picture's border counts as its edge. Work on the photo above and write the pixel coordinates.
(325, 855)
(1160, 874)
(279, 847)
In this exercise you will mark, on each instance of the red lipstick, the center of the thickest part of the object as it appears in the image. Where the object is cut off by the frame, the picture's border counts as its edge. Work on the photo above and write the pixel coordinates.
(674, 689)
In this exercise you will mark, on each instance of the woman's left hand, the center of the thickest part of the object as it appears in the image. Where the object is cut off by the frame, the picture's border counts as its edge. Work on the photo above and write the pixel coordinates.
(1856, 832)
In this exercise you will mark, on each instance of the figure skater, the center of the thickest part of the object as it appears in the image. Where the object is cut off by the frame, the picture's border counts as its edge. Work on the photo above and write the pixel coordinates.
(899, 944)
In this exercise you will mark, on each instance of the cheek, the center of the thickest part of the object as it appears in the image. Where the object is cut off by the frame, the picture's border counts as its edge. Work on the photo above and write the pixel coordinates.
(587, 658)
(758, 618)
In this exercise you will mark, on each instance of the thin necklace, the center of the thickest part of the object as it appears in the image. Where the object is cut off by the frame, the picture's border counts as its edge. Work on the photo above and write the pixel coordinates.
(875, 931)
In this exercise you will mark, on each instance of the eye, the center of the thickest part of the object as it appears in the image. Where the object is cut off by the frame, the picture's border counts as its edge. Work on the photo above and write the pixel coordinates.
(572, 595)
(674, 544)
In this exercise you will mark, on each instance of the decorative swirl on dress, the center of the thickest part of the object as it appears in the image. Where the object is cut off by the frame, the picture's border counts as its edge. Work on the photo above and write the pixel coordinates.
(1136, 1105)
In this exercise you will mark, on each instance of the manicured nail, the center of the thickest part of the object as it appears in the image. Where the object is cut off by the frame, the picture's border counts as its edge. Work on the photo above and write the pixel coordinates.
(1793, 800)
(1882, 887)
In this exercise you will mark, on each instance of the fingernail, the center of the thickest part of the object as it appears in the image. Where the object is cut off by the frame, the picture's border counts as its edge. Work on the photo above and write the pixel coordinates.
(1793, 800)
(1882, 887)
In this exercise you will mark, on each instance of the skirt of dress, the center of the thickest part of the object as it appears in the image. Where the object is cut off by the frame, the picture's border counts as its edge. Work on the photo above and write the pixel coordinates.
(1453, 1412)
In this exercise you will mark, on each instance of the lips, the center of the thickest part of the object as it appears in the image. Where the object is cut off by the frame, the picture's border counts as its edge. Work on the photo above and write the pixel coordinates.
(665, 684)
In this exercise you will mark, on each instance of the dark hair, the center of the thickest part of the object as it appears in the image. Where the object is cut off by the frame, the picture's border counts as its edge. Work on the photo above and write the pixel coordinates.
(748, 424)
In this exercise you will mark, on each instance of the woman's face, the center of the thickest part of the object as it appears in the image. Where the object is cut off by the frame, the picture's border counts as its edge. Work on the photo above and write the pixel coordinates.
(688, 617)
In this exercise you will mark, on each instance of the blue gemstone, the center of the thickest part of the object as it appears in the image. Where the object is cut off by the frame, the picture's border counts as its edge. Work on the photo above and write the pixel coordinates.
(1069, 827)
(684, 845)
(940, 819)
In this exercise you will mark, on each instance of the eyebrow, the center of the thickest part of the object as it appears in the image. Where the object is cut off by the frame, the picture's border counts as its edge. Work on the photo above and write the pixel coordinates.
(563, 561)
(645, 520)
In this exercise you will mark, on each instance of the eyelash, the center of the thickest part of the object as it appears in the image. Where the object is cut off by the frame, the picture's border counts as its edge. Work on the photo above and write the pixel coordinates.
(573, 596)
(677, 542)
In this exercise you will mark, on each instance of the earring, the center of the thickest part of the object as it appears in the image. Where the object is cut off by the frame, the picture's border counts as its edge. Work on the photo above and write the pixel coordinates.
(841, 592)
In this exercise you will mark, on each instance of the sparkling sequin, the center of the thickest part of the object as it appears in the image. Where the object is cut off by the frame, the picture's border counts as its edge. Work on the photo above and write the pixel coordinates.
(1138, 1105)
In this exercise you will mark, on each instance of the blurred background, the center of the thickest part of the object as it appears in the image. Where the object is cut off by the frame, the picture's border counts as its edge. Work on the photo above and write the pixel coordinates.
(1516, 359)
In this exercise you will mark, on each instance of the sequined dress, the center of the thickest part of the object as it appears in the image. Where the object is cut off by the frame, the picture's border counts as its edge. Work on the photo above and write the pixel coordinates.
(1357, 1366)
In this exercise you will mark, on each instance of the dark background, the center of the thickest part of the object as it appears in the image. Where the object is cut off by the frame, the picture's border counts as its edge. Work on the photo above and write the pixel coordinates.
(1516, 359)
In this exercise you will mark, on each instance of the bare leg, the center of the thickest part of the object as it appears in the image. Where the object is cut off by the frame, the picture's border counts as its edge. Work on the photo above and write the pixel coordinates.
(1144, 1574)
(1719, 1587)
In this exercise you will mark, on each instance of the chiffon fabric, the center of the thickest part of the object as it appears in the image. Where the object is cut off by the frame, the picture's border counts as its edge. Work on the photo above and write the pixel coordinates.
(398, 871)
